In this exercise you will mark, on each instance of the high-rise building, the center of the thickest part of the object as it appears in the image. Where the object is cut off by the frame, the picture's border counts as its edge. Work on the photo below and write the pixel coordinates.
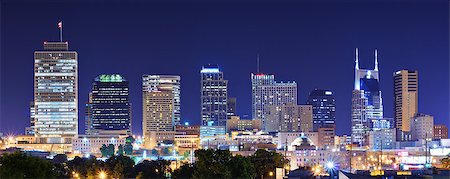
(30, 130)
(55, 93)
(422, 126)
(289, 118)
(165, 82)
(213, 96)
(109, 110)
(406, 97)
(367, 102)
(267, 92)
(324, 108)
(231, 107)
(440, 132)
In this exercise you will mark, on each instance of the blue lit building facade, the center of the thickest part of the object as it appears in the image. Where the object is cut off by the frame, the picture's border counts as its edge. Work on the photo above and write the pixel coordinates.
(367, 102)
(214, 96)
(109, 109)
(324, 109)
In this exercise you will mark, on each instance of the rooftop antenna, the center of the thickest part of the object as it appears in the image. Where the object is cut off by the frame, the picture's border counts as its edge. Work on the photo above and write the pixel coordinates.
(60, 27)
(257, 63)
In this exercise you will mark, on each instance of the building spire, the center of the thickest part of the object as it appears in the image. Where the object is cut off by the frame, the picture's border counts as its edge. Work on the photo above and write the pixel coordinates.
(356, 62)
(376, 60)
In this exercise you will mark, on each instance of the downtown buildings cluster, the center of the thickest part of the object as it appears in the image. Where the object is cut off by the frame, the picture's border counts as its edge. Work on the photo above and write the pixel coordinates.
(303, 133)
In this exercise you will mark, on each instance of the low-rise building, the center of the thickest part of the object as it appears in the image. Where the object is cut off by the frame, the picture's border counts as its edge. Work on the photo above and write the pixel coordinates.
(440, 132)
(90, 144)
(237, 124)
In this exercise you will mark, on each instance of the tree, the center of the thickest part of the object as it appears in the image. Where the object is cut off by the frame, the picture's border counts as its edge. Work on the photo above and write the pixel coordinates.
(86, 167)
(152, 169)
(128, 149)
(266, 161)
(212, 164)
(111, 150)
(121, 166)
(20, 165)
(241, 167)
(120, 150)
(60, 158)
(104, 150)
(185, 171)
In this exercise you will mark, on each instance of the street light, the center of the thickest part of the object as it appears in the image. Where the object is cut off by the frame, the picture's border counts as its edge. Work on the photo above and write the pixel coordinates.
(102, 174)
(271, 173)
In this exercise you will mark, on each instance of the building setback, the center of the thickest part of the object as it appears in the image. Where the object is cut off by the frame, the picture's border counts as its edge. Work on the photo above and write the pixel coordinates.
(406, 97)
(213, 96)
(109, 110)
(267, 92)
(55, 93)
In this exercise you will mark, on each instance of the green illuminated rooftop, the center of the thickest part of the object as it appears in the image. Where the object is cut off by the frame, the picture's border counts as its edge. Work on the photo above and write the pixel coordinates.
(110, 78)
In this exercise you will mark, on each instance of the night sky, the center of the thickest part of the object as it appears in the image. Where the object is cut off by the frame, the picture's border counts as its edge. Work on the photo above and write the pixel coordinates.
(310, 42)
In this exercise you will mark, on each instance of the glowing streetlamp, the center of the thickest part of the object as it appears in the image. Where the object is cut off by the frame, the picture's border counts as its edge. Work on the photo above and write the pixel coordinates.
(271, 173)
(102, 174)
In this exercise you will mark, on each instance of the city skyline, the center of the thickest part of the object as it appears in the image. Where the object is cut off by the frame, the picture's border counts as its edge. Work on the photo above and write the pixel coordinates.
(273, 61)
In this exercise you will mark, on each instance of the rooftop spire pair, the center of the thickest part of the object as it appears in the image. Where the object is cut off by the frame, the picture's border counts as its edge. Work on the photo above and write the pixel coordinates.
(357, 61)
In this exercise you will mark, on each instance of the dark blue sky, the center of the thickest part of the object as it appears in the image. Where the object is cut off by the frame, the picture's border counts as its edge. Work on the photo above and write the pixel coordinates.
(311, 42)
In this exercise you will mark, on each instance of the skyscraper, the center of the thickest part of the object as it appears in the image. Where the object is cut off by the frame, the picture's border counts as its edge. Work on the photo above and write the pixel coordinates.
(324, 108)
(55, 93)
(213, 96)
(367, 102)
(267, 92)
(166, 83)
(406, 97)
(109, 109)
(161, 108)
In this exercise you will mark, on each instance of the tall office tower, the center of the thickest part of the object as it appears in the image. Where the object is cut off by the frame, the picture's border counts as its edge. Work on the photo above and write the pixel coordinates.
(422, 126)
(158, 111)
(366, 101)
(165, 82)
(109, 109)
(56, 93)
(231, 107)
(30, 130)
(406, 97)
(324, 108)
(214, 94)
(267, 92)
(289, 118)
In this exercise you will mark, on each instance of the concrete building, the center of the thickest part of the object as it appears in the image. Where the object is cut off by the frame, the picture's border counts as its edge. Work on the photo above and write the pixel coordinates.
(326, 137)
(367, 103)
(90, 144)
(55, 93)
(382, 139)
(158, 122)
(210, 130)
(324, 108)
(267, 92)
(237, 124)
(284, 138)
(406, 97)
(440, 132)
(188, 129)
(289, 118)
(109, 110)
(213, 96)
(422, 126)
(165, 83)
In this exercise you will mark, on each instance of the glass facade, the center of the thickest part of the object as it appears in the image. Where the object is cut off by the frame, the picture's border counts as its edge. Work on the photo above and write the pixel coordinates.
(109, 109)
(55, 93)
(214, 94)
(324, 109)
